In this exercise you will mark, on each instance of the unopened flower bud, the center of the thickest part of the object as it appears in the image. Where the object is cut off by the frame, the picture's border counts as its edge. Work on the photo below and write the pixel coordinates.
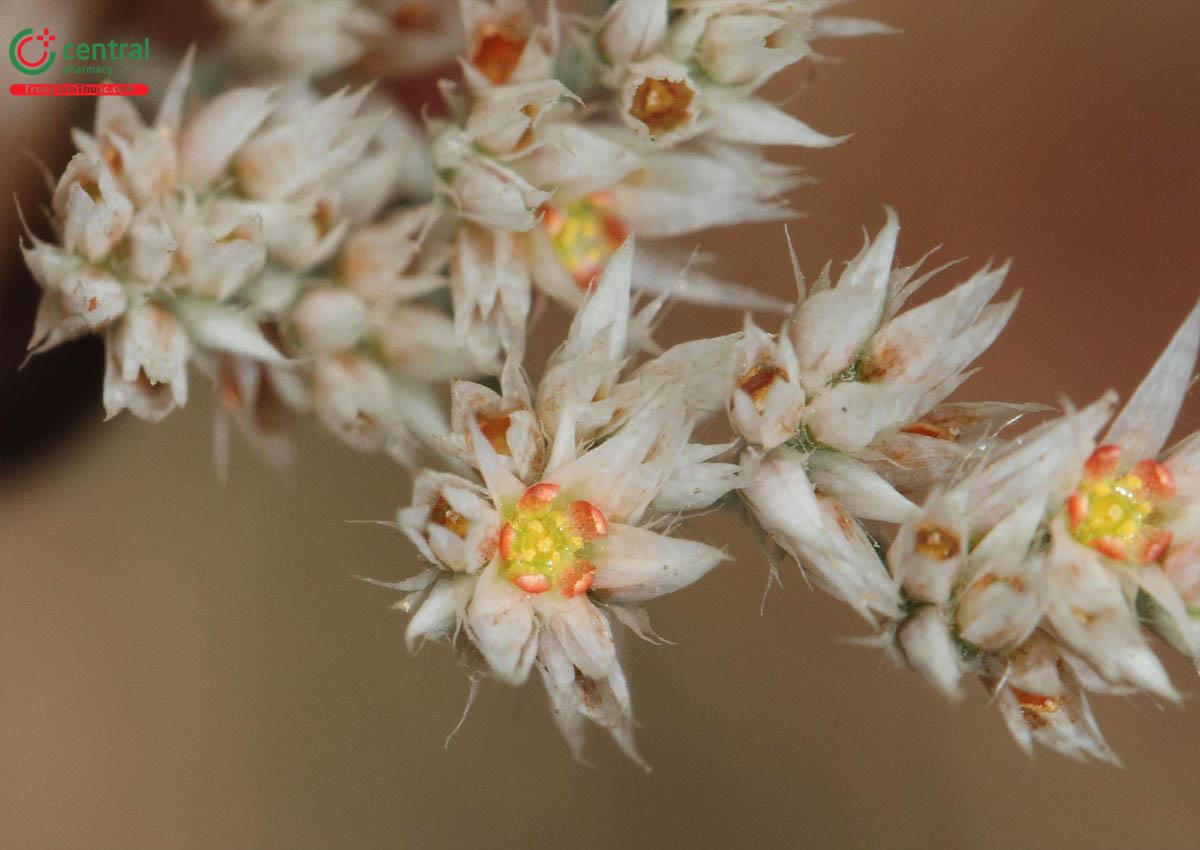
(633, 29)
(330, 319)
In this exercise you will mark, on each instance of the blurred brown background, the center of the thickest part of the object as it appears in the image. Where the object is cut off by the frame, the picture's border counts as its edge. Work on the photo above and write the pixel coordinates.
(189, 666)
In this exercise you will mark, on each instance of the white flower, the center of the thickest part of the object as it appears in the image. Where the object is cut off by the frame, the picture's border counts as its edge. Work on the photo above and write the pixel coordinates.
(698, 78)
(483, 189)
(659, 101)
(147, 354)
(505, 44)
(848, 368)
(305, 37)
(395, 257)
(536, 552)
(1110, 519)
(201, 216)
(82, 301)
(329, 319)
(262, 399)
(561, 526)
(818, 531)
(768, 406)
(743, 44)
(418, 341)
(143, 158)
(632, 29)
(1057, 531)
(521, 238)
(1042, 700)
(213, 136)
(303, 144)
(93, 212)
(353, 398)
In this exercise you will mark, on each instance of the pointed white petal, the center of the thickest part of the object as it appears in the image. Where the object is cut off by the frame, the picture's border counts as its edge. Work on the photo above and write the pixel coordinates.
(634, 564)
(501, 625)
(1142, 427)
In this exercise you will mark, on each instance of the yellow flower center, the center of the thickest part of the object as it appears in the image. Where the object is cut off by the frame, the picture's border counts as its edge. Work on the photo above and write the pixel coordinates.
(1115, 514)
(1114, 509)
(585, 234)
(545, 542)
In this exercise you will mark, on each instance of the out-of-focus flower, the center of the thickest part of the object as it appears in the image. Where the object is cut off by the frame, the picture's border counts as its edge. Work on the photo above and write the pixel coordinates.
(420, 36)
(168, 233)
(547, 197)
(694, 73)
(308, 38)
(148, 353)
(504, 44)
(632, 29)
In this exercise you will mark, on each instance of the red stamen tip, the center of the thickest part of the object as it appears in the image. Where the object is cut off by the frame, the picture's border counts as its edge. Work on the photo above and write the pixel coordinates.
(1155, 546)
(1077, 508)
(588, 520)
(532, 583)
(1157, 481)
(1102, 463)
(1113, 547)
(539, 495)
(507, 535)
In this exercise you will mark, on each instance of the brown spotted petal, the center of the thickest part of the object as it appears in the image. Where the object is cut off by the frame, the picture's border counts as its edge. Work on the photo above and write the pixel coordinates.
(826, 540)
(1042, 701)
(930, 549)
(451, 522)
(1092, 614)
(1006, 596)
(576, 657)
(147, 359)
(767, 402)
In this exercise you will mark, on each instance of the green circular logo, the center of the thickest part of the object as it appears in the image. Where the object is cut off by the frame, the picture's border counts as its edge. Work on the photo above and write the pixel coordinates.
(22, 51)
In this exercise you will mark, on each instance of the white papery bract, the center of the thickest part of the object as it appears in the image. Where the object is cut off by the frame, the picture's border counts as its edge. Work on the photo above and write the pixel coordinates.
(1042, 565)
(203, 238)
(563, 520)
(695, 73)
(819, 403)
(135, 248)
(270, 40)
(550, 179)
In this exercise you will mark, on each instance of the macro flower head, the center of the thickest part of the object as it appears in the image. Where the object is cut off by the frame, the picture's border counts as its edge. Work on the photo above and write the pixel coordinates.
(680, 71)
(1037, 569)
(565, 521)
(822, 403)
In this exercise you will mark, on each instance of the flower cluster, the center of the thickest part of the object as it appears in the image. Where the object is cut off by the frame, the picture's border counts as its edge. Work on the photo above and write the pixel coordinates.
(1031, 563)
(317, 252)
